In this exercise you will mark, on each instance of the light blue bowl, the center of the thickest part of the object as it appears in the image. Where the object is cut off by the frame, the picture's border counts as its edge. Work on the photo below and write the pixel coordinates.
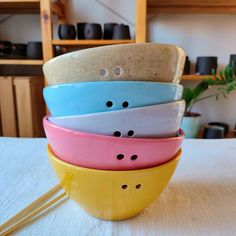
(91, 97)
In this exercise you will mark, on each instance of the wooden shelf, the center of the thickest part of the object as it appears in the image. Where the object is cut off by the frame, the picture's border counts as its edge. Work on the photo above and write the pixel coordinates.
(189, 7)
(89, 42)
(28, 7)
(195, 77)
(20, 62)
(19, 7)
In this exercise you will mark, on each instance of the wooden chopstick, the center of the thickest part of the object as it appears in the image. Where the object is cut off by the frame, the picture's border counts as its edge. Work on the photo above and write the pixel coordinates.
(30, 207)
(26, 219)
(31, 211)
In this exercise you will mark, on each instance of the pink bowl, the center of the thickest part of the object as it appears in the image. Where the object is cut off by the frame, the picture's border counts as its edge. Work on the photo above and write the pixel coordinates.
(108, 152)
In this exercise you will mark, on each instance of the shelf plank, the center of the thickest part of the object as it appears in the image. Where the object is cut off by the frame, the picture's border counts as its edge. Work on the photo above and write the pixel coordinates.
(89, 42)
(195, 77)
(19, 7)
(27, 7)
(194, 6)
(19, 1)
(20, 62)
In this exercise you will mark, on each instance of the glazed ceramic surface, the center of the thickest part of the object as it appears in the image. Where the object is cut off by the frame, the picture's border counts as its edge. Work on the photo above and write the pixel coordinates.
(107, 152)
(151, 121)
(146, 61)
(191, 126)
(34, 50)
(91, 97)
(113, 195)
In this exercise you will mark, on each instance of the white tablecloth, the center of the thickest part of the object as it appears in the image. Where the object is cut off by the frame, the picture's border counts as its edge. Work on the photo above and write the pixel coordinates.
(200, 200)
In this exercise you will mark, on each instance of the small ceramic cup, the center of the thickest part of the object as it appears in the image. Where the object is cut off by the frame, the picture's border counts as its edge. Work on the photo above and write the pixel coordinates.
(5, 47)
(81, 30)
(108, 30)
(34, 50)
(93, 31)
(235, 130)
(187, 66)
(213, 132)
(67, 31)
(206, 65)
(232, 60)
(221, 124)
(121, 32)
(18, 50)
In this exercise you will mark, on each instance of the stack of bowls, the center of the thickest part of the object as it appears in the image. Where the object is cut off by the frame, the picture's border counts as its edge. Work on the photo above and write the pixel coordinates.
(114, 128)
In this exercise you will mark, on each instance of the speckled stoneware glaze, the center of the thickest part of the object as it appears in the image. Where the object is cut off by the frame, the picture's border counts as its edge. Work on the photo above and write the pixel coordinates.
(151, 121)
(141, 62)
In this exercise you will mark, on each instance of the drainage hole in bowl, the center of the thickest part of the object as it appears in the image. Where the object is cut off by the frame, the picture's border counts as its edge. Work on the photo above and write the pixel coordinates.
(138, 186)
(120, 156)
(125, 104)
(124, 186)
(117, 70)
(130, 133)
(109, 104)
(117, 133)
(179, 133)
(134, 157)
(103, 72)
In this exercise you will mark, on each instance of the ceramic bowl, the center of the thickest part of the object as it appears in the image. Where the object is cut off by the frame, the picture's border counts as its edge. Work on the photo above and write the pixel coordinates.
(107, 152)
(91, 97)
(113, 195)
(142, 62)
(161, 120)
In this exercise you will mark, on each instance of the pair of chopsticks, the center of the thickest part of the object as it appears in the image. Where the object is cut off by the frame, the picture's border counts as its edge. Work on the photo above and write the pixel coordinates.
(31, 211)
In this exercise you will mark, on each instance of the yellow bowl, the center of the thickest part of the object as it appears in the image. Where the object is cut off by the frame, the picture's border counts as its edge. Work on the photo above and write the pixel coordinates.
(113, 195)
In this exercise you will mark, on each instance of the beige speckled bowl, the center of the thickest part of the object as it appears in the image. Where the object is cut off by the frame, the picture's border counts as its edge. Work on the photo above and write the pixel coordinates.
(140, 62)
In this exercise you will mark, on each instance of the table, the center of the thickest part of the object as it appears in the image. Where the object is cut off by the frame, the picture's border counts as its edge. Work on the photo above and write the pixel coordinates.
(200, 199)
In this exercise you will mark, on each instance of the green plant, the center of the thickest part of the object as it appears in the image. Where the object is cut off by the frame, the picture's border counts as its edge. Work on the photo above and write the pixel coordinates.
(225, 81)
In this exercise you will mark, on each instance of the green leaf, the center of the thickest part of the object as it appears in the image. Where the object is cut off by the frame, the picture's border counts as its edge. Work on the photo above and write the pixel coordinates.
(200, 88)
(225, 81)
(187, 96)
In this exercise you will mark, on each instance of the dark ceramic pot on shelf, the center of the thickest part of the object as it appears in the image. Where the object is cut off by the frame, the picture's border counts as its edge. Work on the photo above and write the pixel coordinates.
(81, 30)
(235, 130)
(187, 66)
(18, 50)
(34, 50)
(58, 50)
(121, 32)
(108, 30)
(213, 132)
(221, 124)
(66, 31)
(5, 48)
(206, 65)
(93, 31)
(232, 60)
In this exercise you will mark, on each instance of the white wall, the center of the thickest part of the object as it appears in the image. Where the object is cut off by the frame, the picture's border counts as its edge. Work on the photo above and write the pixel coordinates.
(201, 35)
(198, 35)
